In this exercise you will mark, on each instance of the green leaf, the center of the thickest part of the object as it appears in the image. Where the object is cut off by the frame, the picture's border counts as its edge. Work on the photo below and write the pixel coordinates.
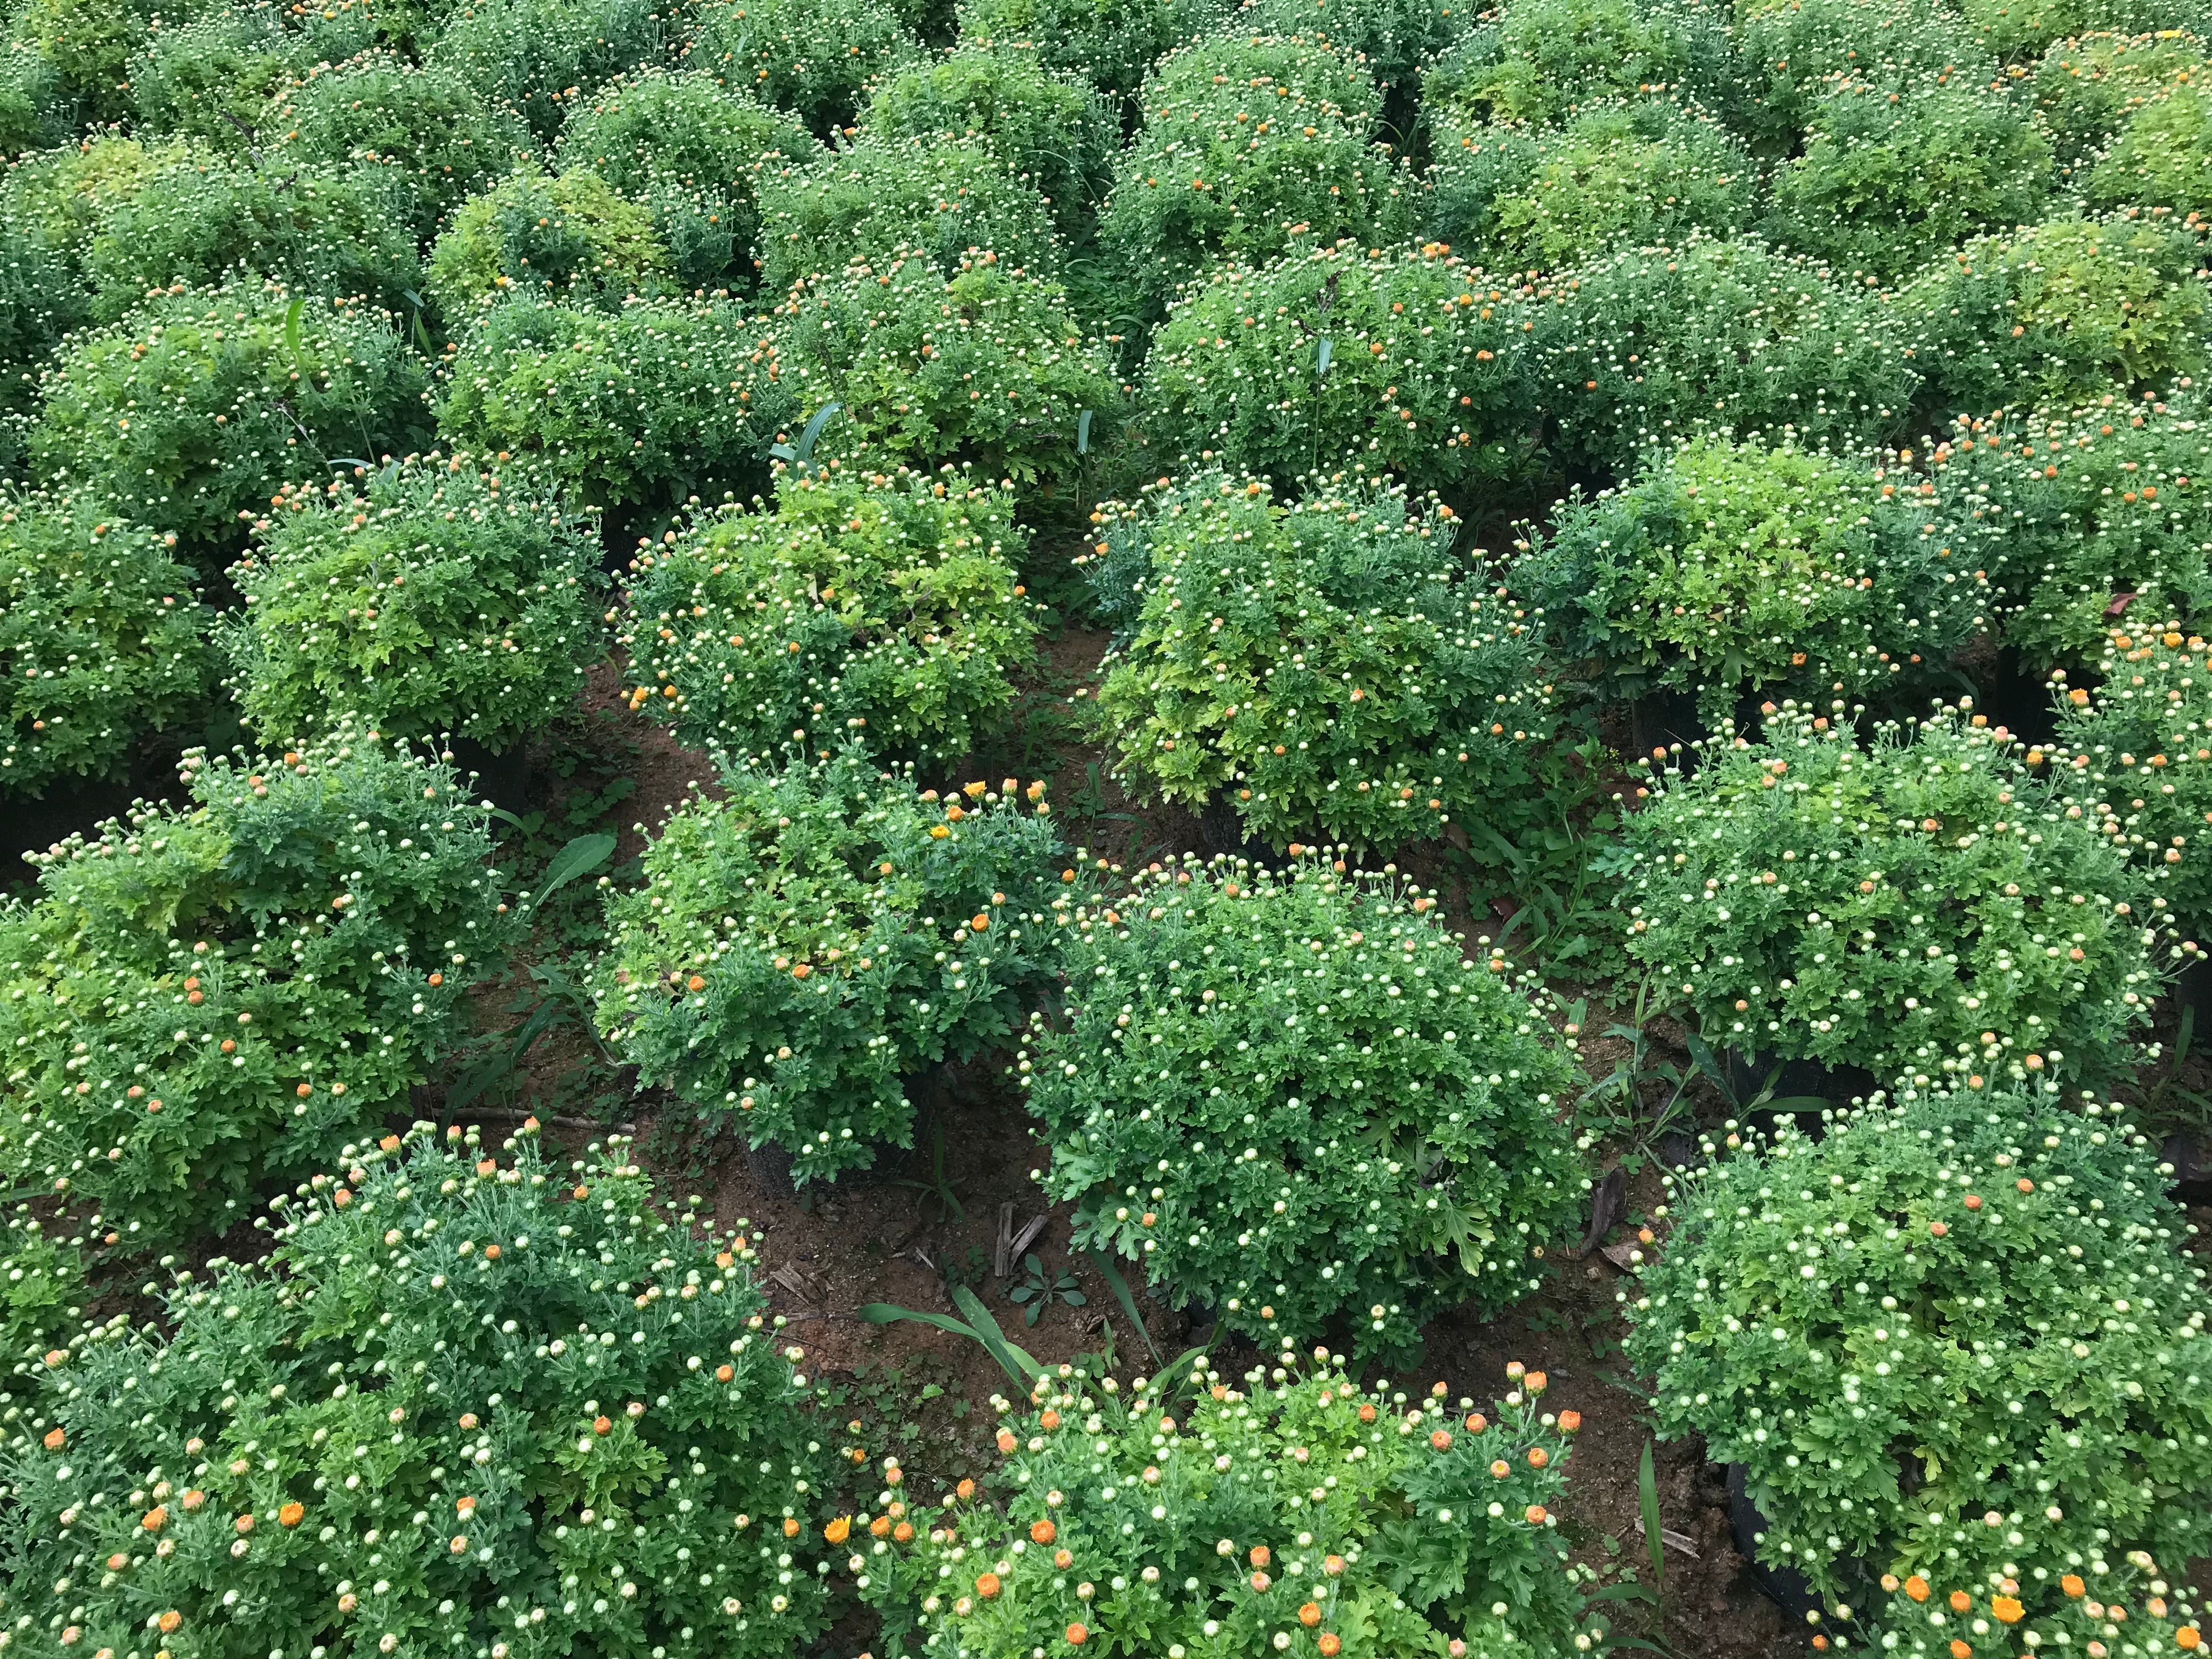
(1120, 1287)
(292, 331)
(1015, 1363)
(1083, 433)
(580, 856)
(1647, 1496)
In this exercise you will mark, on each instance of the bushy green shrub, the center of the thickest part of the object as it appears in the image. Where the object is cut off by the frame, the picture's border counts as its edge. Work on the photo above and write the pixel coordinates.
(2076, 510)
(881, 609)
(209, 75)
(190, 412)
(1112, 43)
(537, 56)
(89, 45)
(102, 637)
(2059, 1601)
(1055, 131)
(1925, 905)
(1969, 1304)
(1396, 39)
(566, 237)
(2134, 736)
(597, 1445)
(1542, 198)
(2058, 313)
(942, 197)
(1428, 377)
(441, 595)
(1248, 141)
(428, 134)
(987, 369)
(1540, 61)
(1154, 1524)
(31, 116)
(642, 406)
(1732, 568)
(2021, 29)
(806, 943)
(1288, 1097)
(1343, 672)
(1652, 344)
(1893, 174)
(1788, 53)
(2162, 157)
(56, 198)
(818, 61)
(40, 302)
(239, 983)
(205, 222)
(2085, 89)
(689, 148)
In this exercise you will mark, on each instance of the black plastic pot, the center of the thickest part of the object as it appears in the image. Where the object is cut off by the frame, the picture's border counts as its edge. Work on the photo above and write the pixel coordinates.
(2015, 697)
(1784, 1586)
(1795, 1079)
(501, 777)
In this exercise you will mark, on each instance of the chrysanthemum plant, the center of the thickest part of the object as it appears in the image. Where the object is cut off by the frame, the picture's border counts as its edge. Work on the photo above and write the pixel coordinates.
(473, 1392)
(1925, 905)
(1293, 1510)
(1945, 1337)
(819, 934)
(1290, 1097)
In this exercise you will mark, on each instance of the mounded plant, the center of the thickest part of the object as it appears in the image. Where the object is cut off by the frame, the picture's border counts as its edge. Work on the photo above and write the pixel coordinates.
(210, 74)
(55, 199)
(1629, 174)
(203, 221)
(565, 238)
(688, 147)
(1289, 1097)
(642, 406)
(1650, 344)
(42, 1286)
(879, 197)
(1789, 53)
(585, 1434)
(807, 942)
(534, 57)
(442, 595)
(189, 413)
(102, 638)
(2019, 29)
(1302, 1505)
(87, 46)
(1923, 905)
(1249, 141)
(1110, 43)
(1397, 38)
(200, 999)
(2075, 511)
(2137, 735)
(819, 61)
(31, 116)
(986, 368)
(2058, 313)
(1406, 360)
(2162, 157)
(1053, 130)
(1948, 1336)
(879, 609)
(1329, 664)
(2087, 88)
(1895, 173)
(1538, 61)
(1729, 569)
(431, 138)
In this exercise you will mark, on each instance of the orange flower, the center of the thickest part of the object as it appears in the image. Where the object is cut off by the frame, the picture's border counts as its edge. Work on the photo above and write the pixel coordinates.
(903, 1531)
(1328, 1643)
(1916, 1588)
(1535, 1515)
(880, 1525)
(1537, 1383)
(1937, 1229)
(1500, 1468)
(154, 1518)
(1367, 1412)
(2006, 1609)
(1007, 1440)
(1077, 1636)
(1476, 1422)
(1959, 1649)
(724, 1373)
(1538, 1457)
(1259, 1555)
(839, 1529)
(1309, 1614)
(54, 1438)
(1260, 1582)
(2186, 1636)
(1960, 1601)
(2072, 1584)
(790, 1526)
(1063, 1559)
(244, 1525)
(987, 1585)
(1570, 1421)
(1440, 1438)
(965, 1490)
(1041, 1532)
(1050, 1419)
(602, 1425)
(169, 1621)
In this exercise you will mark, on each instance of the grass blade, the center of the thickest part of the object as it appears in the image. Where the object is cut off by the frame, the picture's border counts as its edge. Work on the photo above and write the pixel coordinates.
(1647, 1496)
(1120, 1287)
